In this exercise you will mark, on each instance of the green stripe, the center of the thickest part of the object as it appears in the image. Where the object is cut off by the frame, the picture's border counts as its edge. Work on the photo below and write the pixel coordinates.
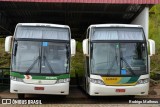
(128, 80)
(15, 74)
(133, 79)
(63, 76)
(124, 80)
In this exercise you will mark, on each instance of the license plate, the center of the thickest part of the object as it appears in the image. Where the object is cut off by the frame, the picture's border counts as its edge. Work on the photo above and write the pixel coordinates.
(120, 90)
(38, 88)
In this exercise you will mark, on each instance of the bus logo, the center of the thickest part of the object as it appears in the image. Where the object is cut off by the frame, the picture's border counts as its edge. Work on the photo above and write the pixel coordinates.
(51, 78)
(28, 76)
(111, 78)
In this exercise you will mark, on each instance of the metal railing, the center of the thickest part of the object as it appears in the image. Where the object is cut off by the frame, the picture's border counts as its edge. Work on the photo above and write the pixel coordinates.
(4, 76)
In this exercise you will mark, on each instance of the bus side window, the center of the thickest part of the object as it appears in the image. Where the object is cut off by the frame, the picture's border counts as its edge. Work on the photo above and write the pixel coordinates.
(87, 35)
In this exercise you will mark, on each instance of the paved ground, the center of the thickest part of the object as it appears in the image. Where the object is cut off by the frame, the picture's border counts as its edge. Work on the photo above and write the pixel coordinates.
(79, 98)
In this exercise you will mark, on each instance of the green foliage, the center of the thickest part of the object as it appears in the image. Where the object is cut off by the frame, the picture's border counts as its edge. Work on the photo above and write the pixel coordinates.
(77, 62)
(154, 33)
(7, 72)
(4, 57)
(152, 74)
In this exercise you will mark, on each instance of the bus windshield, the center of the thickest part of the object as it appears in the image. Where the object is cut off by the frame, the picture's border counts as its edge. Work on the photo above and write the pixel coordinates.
(119, 58)
(34, 57)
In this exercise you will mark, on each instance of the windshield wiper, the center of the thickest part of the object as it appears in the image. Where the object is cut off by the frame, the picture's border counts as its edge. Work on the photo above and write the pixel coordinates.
(49, 66)
(112, 64)
(32, 65)
(115, 60)
(124, 60)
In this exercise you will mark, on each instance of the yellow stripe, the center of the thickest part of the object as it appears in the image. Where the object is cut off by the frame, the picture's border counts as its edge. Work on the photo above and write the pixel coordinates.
(111, 80)
(114, 81)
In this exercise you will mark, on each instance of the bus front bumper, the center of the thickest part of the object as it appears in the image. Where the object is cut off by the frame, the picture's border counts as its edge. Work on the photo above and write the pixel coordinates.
(55, 89)
(103, 90)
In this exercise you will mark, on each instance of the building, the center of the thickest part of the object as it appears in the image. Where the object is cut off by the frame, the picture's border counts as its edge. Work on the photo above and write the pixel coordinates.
(78, 14)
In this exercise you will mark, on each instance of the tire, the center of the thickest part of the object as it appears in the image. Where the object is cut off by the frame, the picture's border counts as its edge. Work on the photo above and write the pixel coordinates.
(21, 96)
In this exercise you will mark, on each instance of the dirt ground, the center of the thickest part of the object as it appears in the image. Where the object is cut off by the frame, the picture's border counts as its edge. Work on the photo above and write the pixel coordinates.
(154, 90)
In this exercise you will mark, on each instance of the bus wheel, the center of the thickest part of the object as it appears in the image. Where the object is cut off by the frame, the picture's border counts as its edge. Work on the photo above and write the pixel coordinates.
(21, 96)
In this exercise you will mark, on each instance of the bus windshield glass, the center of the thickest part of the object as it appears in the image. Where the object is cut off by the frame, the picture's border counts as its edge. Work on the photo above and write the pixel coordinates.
(119, 59)
(114, 57)
(40, 57)
(41, 49)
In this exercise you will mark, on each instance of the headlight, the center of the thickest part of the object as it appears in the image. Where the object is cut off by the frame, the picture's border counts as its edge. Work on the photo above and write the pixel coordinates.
(143, 81)
(16, 79)
(96, 81)
(63, 80)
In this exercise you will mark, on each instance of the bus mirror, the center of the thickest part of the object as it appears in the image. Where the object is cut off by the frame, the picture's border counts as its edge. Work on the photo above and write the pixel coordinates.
(151, 47)
(85, 47)
(73, 47)
(8, 43)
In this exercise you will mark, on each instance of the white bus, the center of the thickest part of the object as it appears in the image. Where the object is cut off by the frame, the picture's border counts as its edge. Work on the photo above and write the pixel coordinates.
(40, 59)
(117, 60)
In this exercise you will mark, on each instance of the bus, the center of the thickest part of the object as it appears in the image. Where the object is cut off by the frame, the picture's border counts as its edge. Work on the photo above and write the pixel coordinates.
(117, 60)
(40, 59)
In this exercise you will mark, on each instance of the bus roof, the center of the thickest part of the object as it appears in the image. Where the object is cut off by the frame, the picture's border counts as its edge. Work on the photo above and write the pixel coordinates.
(43, 24)
(115, 25)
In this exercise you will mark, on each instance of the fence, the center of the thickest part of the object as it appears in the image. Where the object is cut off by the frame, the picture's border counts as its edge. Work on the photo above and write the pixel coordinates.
(4, 76)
